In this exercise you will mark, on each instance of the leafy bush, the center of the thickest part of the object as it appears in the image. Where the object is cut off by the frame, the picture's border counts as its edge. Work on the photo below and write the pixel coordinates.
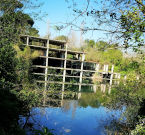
(139, 129)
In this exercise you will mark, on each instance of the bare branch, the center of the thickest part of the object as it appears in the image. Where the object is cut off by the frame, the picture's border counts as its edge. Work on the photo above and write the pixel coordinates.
(88, 2)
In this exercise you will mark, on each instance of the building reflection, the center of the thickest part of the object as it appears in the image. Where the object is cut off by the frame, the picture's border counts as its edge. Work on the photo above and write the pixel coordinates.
(70, 101)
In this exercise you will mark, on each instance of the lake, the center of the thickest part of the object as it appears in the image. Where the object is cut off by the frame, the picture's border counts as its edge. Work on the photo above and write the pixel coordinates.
(73, 113)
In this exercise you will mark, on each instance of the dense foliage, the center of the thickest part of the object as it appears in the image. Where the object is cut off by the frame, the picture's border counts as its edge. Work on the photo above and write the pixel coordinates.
(14, 65)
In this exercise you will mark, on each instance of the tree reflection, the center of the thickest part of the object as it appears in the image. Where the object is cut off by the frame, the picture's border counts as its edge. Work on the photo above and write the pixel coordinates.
(128, 97)
(131, 96)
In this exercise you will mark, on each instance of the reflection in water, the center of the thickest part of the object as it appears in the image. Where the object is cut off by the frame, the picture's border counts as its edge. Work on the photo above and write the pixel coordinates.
(72, 113)
(103, 87)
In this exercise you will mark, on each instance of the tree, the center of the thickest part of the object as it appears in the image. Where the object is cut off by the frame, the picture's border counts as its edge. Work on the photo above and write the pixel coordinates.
(62, 37)
(90, 43)
(103, 46)
(13, 22)
(13, 66)
(124, 18)
(100, 45)
(7, 66)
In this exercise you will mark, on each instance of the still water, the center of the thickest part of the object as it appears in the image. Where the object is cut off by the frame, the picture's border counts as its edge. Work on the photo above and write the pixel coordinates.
(73, 114)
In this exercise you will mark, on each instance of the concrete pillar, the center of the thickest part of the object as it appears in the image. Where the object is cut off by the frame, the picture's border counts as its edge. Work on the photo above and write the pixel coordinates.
(118, 78)
(94, 88)
(111, 76)
(103, 88)
(27, 42)
(79, 95)
(97, 68)
(107, 66)
(46, 70)
(81, 72)
(64, 70)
